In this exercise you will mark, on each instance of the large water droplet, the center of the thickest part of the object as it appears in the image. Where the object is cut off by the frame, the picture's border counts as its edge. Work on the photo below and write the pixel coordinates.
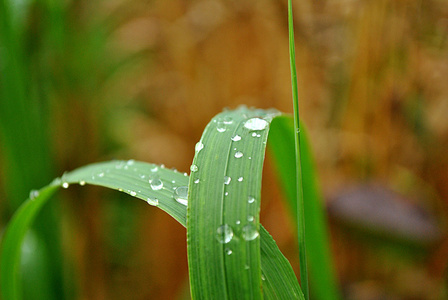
(227, 120)
(251, 199)
(34, 194)
(156, 183)
(227, 179)
(153, 201)
(250, 232)
(220, 126)
(256, 124)
(199, 146)
(240, 178)
(239, 154)
(181, 195)
(193, 168)
(224, 234)
(236, 138)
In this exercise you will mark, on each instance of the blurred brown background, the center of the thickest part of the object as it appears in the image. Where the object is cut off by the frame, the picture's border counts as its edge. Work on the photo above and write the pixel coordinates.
(141, 79)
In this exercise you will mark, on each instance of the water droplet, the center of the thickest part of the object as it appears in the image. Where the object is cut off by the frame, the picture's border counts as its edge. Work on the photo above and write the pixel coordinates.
(162, 166)
(199, 146)
(246, 267)
(262, 277)
(196, 180)
(133, 193)
(240, 178)
(224, 234)
(65, 185)
(256, 124)
(154, 169)
(120, 189)
(156, 183)
(250, 232)
(119, 164)
(194, 168)
(250, 218)
(153, 202)
(226, 193)
(239, 154)
(251, 200)
(258, 135)
(82, 182)
(181, 195)
(185, 174)
(238, 222)
(220, 126)
(228, 251)
(227, 180)
(131, 162)
(34, 194)
(250, 157)
(236, 138)
(101, 174)
(142, 176)
(254, 134)
(173, 181)
(227, 120)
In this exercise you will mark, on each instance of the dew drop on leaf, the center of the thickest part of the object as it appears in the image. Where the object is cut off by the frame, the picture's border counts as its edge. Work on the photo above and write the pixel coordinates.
(65, 185)
(250, 232)
(236, 138)
(156, 183)
(250, 218)
(181, 195)
(227, 120)
(228, 251)
(34, 194)
(227, 180)
(220, 126)
(224, 234)
(194, 168)
(196, 180)
(82, 182)
(251, 199)
(153, 201)
(240, 178)
(133, 193)
(256, 124)
(199, 146)
(239, 154)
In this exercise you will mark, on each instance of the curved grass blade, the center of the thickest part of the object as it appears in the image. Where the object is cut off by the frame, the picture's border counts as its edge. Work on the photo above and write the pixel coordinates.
(132, 178)
(281, 145)
(223, 227)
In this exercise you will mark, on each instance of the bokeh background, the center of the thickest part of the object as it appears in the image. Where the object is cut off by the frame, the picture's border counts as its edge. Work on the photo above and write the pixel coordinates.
(86, 81)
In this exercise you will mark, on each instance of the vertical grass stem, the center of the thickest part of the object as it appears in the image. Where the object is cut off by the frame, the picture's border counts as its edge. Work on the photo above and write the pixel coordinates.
(300, 204)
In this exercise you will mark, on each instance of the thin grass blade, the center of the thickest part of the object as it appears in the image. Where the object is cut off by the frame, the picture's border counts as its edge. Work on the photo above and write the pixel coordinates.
(281, 144)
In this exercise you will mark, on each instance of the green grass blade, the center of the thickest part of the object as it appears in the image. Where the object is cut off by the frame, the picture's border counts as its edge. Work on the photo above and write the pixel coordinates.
(322, 278)
(132, 178)
(299, 182)
(225, 192)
